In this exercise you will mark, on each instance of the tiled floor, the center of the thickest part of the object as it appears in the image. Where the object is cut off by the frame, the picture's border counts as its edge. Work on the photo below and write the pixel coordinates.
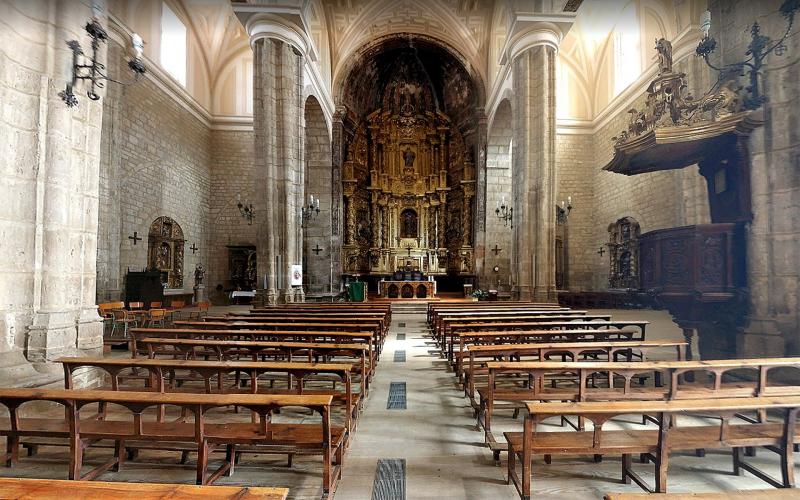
(436, 436)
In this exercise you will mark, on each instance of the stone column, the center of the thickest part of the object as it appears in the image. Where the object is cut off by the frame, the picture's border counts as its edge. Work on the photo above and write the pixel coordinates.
(67, 184)
(533, 67)
(277, 124)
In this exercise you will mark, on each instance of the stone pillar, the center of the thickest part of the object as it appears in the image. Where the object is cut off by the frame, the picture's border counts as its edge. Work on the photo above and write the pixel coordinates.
(49, 160)
(534, 132)
(66, 316)
(277, 124)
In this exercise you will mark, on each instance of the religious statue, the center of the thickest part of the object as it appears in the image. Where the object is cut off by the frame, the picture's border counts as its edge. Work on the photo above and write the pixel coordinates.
(408, 157)
(664, 48)
(199, 274)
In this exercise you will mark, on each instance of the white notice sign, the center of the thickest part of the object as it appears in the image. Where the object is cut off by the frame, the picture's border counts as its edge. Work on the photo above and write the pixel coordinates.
(297, 275)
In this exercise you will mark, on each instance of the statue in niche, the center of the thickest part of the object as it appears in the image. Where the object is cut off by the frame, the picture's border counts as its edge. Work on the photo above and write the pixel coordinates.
(409, 223)
(408, 157)
(664, 49)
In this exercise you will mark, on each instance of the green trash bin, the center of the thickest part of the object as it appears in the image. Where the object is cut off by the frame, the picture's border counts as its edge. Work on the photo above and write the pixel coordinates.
(357, 291)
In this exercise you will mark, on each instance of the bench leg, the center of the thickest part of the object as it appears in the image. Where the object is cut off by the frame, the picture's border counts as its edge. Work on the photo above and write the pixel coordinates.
(230, 458)
(626, 466)
(75, 458)
(12, 450)
(787, 468)
(32, 449)
(202, 462)
(737, 461)
(184, 457)
(119, 453)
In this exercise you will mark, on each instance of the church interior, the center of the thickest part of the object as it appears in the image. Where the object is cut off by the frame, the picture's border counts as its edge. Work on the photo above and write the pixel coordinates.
(390, 249)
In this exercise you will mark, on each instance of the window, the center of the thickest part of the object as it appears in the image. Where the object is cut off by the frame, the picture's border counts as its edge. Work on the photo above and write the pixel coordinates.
(173, 44)
(627, 49)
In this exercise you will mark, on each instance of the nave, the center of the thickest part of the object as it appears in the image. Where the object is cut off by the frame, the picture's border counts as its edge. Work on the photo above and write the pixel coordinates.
(430, 447)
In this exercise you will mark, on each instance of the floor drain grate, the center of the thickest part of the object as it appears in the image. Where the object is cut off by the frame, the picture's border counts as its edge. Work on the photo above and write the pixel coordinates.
(401, 336)
(399, 356)
(402, 325)
(390, 480)
(397, 396)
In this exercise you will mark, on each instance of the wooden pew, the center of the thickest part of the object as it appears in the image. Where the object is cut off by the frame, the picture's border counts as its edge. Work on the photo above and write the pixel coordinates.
(433, 307)
(308, 326)
(54, 489)
(163, 377)
(778, 436)
(200, 434)
(386, 308)
(578, 351)
(256, 335)
(225, 350)
(613, 329)
(443, 324)
(613, 381)
(376, 321)
(441, 317)
(773, 494)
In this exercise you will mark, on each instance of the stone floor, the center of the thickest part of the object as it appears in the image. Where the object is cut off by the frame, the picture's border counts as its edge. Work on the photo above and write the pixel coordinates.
(444, 455)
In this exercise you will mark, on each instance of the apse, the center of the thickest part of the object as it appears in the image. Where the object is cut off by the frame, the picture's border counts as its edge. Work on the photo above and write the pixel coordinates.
(409, 176)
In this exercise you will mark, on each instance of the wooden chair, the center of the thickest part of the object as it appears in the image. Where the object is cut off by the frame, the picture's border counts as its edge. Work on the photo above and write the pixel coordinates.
(156, 317)
(201, 310)
(174, 310)
(123, 319)
(156, 305)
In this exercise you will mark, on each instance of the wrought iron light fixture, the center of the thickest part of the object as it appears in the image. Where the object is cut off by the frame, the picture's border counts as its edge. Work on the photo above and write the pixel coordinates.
(505, 213)
(245, 209)
(309, 212)
(562, 211)
(759, 48)
(94, 71)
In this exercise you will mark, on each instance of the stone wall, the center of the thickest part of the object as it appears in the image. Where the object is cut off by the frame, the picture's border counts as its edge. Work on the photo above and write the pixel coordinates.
(773, 272)
(575, 164)
(318, 270)
(155, 162)
(231, 175)
(498, 186)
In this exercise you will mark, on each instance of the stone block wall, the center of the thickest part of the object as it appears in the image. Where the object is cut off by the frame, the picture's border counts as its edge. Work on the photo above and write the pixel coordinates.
(498, 186)
(231, 175)
(575, 165)
(318, 266)
(156, 162)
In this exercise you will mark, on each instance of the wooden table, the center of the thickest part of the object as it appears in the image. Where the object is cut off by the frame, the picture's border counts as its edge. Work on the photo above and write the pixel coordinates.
(54, 489)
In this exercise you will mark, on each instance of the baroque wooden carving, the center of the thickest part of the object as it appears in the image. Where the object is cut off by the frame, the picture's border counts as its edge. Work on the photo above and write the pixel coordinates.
(165, 250)
(408, 182)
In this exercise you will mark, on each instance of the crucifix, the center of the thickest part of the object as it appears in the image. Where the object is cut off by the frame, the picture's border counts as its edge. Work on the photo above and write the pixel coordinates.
(496, 250)
(193, 248)
(409, 247)
(601, 252)
(135, 237)
(316, 250)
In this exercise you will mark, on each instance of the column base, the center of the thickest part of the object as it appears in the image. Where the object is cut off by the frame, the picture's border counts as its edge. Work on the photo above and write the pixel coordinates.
(51, 335)
(761, 338)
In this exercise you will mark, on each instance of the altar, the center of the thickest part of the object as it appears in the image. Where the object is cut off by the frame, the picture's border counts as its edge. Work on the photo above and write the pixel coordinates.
(406, 289)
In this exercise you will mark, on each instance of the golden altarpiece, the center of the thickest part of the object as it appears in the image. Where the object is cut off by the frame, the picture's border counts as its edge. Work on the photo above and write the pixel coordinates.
(408, 185)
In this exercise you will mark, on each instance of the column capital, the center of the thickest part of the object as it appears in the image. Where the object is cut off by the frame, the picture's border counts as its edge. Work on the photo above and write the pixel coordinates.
(531, 30)
(261, 21)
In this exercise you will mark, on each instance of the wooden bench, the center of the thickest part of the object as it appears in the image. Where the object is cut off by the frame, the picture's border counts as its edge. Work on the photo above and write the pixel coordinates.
(578, 351)
(54, 489)
(435, 307)
(609, 381)
(441, 317)
(330, 306)
(163, 376)
(256, 335)
(444, 322)
(199, 435)
(632, 330)
(224, 350)
(773, 494)
(778, 436)
(308, 326)
(374, 321)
